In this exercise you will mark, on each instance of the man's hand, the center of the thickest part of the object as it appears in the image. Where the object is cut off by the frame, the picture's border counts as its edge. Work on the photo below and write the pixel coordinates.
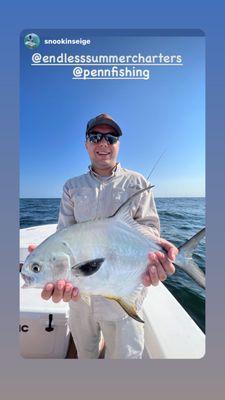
(62, 290)
(160, 265)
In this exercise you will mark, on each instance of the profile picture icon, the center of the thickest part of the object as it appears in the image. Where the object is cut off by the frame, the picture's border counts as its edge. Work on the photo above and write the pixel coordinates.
(31, 40)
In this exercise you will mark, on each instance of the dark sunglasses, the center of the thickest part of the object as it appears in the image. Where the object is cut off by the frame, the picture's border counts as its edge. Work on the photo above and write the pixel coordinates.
(96, 137)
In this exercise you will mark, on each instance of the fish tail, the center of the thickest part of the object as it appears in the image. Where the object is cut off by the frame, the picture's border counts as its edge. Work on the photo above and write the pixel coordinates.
(128, 306)
(185, 261)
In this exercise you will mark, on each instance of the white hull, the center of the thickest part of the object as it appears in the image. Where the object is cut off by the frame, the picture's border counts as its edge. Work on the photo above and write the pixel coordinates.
(170, 333)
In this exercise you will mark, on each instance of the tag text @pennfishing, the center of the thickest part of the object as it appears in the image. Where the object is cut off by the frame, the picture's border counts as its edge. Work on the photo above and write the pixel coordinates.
(111, 73)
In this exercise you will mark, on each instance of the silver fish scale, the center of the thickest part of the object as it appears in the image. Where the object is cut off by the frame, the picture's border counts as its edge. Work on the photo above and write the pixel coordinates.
(123, 248)
(125, 252)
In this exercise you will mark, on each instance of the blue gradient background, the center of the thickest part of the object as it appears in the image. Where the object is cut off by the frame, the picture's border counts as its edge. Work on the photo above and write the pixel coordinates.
(202, 379)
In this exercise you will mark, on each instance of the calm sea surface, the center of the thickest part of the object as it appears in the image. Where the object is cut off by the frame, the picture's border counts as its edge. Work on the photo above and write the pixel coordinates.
(180, 219)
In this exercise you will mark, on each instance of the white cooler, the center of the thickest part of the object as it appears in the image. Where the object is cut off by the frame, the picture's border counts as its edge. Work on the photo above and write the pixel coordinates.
(43, 330)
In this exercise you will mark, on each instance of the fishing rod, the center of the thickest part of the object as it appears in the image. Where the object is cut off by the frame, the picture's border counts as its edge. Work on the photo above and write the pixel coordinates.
(157, 161)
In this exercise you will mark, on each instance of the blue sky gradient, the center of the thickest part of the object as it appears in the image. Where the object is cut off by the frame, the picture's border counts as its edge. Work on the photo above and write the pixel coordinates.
(165, 112)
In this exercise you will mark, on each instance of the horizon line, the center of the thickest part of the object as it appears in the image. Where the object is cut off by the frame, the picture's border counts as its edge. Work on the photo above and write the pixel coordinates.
(156, 197)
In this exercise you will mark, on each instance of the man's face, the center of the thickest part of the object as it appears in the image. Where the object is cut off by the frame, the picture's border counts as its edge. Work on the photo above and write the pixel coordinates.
(103, 155)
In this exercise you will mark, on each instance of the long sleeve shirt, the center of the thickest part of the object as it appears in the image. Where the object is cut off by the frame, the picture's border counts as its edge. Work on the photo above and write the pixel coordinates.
(91, 196)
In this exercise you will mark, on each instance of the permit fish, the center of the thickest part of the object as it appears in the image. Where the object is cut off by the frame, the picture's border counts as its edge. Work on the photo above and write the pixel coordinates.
(105, 257)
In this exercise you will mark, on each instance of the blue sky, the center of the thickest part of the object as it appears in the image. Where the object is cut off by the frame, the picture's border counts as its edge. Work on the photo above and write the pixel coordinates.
(165, 112)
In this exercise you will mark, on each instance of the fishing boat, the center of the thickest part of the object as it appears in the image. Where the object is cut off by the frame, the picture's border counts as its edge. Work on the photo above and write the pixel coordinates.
(170, 332)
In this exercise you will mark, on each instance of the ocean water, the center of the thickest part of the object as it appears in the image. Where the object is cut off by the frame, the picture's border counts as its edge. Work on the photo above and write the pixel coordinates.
(180, 219)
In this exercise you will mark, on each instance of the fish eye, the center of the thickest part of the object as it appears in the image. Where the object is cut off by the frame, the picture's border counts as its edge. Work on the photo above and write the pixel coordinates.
(35, 267)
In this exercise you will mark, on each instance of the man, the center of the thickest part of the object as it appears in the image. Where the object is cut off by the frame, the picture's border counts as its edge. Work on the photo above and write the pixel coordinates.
(99, 193)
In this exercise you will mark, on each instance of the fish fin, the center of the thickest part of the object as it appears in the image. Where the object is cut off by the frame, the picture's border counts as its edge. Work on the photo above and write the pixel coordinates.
(87, 268)
(125, 217)
(125, 205)
(188, 247)
(129, 308)
(189, 266)
(123, 214)
(86, 299)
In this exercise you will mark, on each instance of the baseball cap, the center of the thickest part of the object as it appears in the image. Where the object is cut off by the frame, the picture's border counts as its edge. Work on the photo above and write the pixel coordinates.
(103, 119)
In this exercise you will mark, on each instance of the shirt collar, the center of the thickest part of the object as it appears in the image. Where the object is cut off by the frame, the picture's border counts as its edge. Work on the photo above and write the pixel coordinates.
(115, 171)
